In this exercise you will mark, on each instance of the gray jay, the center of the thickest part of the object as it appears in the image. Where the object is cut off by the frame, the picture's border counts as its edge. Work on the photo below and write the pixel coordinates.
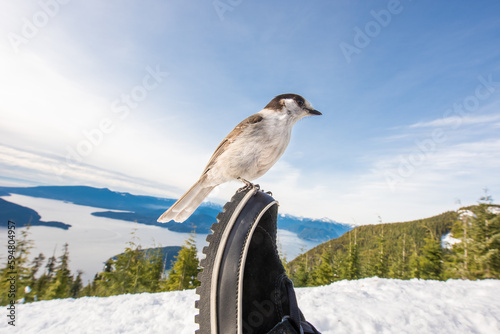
(247, 152)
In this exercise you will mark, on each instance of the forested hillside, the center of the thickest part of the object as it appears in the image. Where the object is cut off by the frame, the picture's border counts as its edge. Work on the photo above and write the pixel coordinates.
(408, 250)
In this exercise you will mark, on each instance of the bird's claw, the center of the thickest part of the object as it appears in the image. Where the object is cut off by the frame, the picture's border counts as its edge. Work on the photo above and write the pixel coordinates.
(247, 185)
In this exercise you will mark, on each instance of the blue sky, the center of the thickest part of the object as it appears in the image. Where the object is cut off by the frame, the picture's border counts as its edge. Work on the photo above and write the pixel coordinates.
(135, 96)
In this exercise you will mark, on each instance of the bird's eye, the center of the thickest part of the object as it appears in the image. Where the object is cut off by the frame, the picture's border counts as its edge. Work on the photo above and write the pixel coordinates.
(300, 103)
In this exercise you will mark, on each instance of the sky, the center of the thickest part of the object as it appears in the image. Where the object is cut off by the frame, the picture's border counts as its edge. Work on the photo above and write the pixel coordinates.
(136, 95)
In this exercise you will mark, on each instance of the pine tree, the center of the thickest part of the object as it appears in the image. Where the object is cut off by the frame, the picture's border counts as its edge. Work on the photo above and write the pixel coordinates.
(380, 261)
(123, 274)
(16, 269)
(400, 263)
(458, 259)
(431, 260)
(134, 271)
(485, 247)
(32, 280)
(324, 273)
(154, 269)
(414, 263)
(76, 285)
(91, 289)
(352, 262)
(44, 281)
(186, 268)
(461, 249)
(301, 276)
(60, 285)
(478, 254)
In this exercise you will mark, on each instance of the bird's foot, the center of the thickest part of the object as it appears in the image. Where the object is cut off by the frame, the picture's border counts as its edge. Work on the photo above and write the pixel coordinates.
(247, 185)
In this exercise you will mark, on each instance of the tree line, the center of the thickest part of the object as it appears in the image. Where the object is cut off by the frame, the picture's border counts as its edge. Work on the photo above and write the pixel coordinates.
(398, 250)
(409, 250)
(134, 271)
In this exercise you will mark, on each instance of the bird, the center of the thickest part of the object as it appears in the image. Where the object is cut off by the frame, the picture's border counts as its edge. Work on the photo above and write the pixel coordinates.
(246, 153)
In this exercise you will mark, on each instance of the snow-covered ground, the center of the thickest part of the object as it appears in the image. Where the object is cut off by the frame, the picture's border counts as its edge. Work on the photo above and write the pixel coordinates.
(365, 306)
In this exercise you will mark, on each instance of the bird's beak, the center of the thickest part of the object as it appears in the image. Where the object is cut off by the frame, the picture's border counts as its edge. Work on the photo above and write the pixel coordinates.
(313, 112)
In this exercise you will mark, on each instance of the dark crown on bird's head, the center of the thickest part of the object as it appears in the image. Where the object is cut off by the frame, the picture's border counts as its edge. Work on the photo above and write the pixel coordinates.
(277, 104)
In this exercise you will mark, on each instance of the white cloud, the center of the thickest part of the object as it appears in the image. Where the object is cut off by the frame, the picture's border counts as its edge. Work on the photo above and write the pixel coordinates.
(40, 104)
(454, 171)
(61, 86)
(43, 169)
(456, 121)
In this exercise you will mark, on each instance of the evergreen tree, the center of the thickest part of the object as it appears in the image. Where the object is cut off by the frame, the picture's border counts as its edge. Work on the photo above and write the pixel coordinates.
(411, 249)
(50, 267)
(459, 259)
(380, 267)
(431, 260)
(324, 274)
(414, 263)
(91, 288)
(486, 198)
(32, 280)
(352, 262)
(76, 286)
(60, 285)
(155, 268)
(301, 277)
(485, 248)
(134, 271)
(477, 255)
(41, 284)
(16, 267)
(125, 274)
(400, 262)
(186, 268)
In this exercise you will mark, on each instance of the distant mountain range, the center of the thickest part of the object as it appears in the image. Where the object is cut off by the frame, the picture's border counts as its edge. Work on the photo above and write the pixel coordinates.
(146, 209)
(18, 213)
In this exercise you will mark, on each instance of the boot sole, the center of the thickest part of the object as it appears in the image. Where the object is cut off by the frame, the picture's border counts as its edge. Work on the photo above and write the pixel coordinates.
(220, 309)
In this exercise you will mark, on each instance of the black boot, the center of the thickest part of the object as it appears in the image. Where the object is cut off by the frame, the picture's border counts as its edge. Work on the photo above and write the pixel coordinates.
(244, 287)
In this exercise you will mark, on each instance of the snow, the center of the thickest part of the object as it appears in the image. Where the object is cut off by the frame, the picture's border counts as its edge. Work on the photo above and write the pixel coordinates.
(494, 210)
(369, 305)
(466, 213)
(393, 306)
(447, 240)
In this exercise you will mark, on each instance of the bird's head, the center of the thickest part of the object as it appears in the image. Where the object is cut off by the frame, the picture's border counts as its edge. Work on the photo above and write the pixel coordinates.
(291, 106)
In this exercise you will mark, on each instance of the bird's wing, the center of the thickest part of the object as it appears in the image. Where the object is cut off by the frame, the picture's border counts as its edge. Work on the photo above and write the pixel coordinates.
(256, 118)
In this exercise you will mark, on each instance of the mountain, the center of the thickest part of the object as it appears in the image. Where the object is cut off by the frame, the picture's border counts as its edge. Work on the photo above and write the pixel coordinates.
(394, 240)
(141, 209)
(313, 229)
(94, 197)
(146, 209)
(18, 214)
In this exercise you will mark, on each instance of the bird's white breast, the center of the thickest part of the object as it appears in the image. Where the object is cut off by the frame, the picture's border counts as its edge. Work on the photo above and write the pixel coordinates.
(256, 149)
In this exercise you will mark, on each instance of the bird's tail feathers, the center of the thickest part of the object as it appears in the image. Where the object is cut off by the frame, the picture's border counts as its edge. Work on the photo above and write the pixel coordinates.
(187, 204)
